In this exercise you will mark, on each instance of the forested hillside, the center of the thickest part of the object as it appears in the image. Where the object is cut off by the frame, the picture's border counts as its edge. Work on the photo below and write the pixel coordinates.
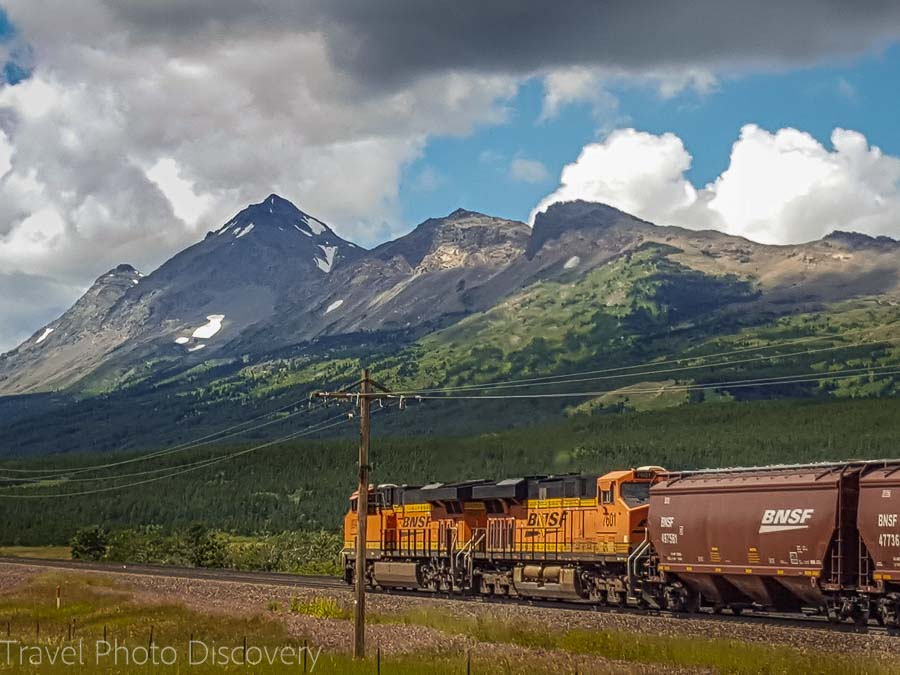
(305, 485)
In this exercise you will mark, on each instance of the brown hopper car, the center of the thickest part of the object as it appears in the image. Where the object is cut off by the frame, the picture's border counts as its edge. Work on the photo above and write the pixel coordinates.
(816, 538)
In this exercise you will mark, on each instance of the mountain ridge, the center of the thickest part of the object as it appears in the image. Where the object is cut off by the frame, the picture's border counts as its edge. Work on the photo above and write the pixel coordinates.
(274, 277)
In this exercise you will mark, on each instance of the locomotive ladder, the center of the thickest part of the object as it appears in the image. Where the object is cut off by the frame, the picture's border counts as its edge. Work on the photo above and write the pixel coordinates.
(465, 555)
(634, 559)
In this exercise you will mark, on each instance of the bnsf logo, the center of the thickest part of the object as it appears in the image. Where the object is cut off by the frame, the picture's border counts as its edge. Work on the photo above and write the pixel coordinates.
(552, 519)
(409, 522)
(782, 520)
(887, 520)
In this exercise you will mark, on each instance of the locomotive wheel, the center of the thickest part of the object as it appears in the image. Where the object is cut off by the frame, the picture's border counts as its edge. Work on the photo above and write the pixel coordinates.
(860, 617)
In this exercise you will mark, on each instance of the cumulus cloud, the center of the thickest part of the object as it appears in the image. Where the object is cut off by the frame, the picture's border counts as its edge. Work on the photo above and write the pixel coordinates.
(580, 84)
(632, 170)
(782, 187)
(524, 170)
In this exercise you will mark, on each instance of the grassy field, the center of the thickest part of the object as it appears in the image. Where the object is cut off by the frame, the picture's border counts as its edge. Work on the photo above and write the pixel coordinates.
(723, 656)
(44, 552)
(103, 627)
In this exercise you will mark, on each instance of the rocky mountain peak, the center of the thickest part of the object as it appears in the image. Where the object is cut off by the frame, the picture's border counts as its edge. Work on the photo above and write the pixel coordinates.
(857, 241)
(122, 276)
(563, 217)
(274, 213)
(461, 239)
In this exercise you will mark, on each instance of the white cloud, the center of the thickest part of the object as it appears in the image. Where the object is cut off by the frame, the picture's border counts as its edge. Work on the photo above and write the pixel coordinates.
(846, 90)
(631, 170)
(576, 85)
(526, 170)
(782, 187)
(581, 84)
(224, 120)
(428, 179)
(6, 152)
(188, 205)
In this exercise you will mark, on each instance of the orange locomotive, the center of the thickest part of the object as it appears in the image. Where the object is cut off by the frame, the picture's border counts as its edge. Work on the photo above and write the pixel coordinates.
(567, 537)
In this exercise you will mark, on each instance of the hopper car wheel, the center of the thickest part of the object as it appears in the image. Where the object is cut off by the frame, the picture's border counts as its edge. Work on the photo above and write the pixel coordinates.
(888, 613)
(681, 599)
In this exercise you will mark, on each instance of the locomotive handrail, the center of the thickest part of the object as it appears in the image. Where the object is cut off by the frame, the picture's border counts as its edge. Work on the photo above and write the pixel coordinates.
(633, 557)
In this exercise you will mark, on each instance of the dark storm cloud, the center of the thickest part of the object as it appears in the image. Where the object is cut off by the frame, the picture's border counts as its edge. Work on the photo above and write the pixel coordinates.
(399, 39)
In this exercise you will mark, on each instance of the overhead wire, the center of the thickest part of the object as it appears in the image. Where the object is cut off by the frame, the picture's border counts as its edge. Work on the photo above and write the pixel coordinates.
(192, 466)
(66, 474)
(765, 381)
(187, 445)
(567, 377)
(660, 371)
(200, 464)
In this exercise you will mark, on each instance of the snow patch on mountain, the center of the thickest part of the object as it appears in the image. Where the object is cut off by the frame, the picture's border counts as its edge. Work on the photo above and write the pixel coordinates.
(182, 340)
(329, 253)
(244, 231)
(333, 306)
(214, 326)
(196, 348)
(572, 263)
(317, 226)
(43, 336)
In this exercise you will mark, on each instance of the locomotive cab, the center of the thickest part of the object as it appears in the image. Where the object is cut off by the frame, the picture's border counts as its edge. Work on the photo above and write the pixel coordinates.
(623, 505)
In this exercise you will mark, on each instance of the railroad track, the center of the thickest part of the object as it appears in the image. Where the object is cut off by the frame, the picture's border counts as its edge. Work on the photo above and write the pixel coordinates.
(306, 581)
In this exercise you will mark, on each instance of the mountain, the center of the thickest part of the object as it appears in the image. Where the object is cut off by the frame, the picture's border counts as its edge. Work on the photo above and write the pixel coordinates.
(265, 258)
(275, 299)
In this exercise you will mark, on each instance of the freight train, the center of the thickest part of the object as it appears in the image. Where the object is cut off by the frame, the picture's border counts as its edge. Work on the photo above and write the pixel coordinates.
(819, 538)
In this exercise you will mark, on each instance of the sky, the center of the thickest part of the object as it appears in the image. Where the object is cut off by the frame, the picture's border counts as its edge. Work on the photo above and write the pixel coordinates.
(128, 129)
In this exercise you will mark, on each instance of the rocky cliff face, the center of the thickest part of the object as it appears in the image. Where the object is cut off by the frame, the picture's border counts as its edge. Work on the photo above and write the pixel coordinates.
(76, 342)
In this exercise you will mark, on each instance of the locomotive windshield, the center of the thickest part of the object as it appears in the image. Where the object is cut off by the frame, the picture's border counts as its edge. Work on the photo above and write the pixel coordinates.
(635, 494)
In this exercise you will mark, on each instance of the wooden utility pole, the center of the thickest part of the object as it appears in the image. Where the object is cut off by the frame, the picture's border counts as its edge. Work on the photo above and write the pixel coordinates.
(362, 515)
(364, 398)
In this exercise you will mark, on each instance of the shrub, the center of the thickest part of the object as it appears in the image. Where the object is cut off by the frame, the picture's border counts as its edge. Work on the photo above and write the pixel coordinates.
(89, 543)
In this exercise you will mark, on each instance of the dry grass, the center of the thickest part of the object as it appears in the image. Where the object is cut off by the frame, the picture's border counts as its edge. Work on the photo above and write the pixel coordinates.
(43, 552)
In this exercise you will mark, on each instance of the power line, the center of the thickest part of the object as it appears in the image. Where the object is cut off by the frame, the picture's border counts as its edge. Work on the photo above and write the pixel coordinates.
(60, 472)
(198, 465)
(767, 357)
(759, 382)
(187, 468)
(563, 378)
